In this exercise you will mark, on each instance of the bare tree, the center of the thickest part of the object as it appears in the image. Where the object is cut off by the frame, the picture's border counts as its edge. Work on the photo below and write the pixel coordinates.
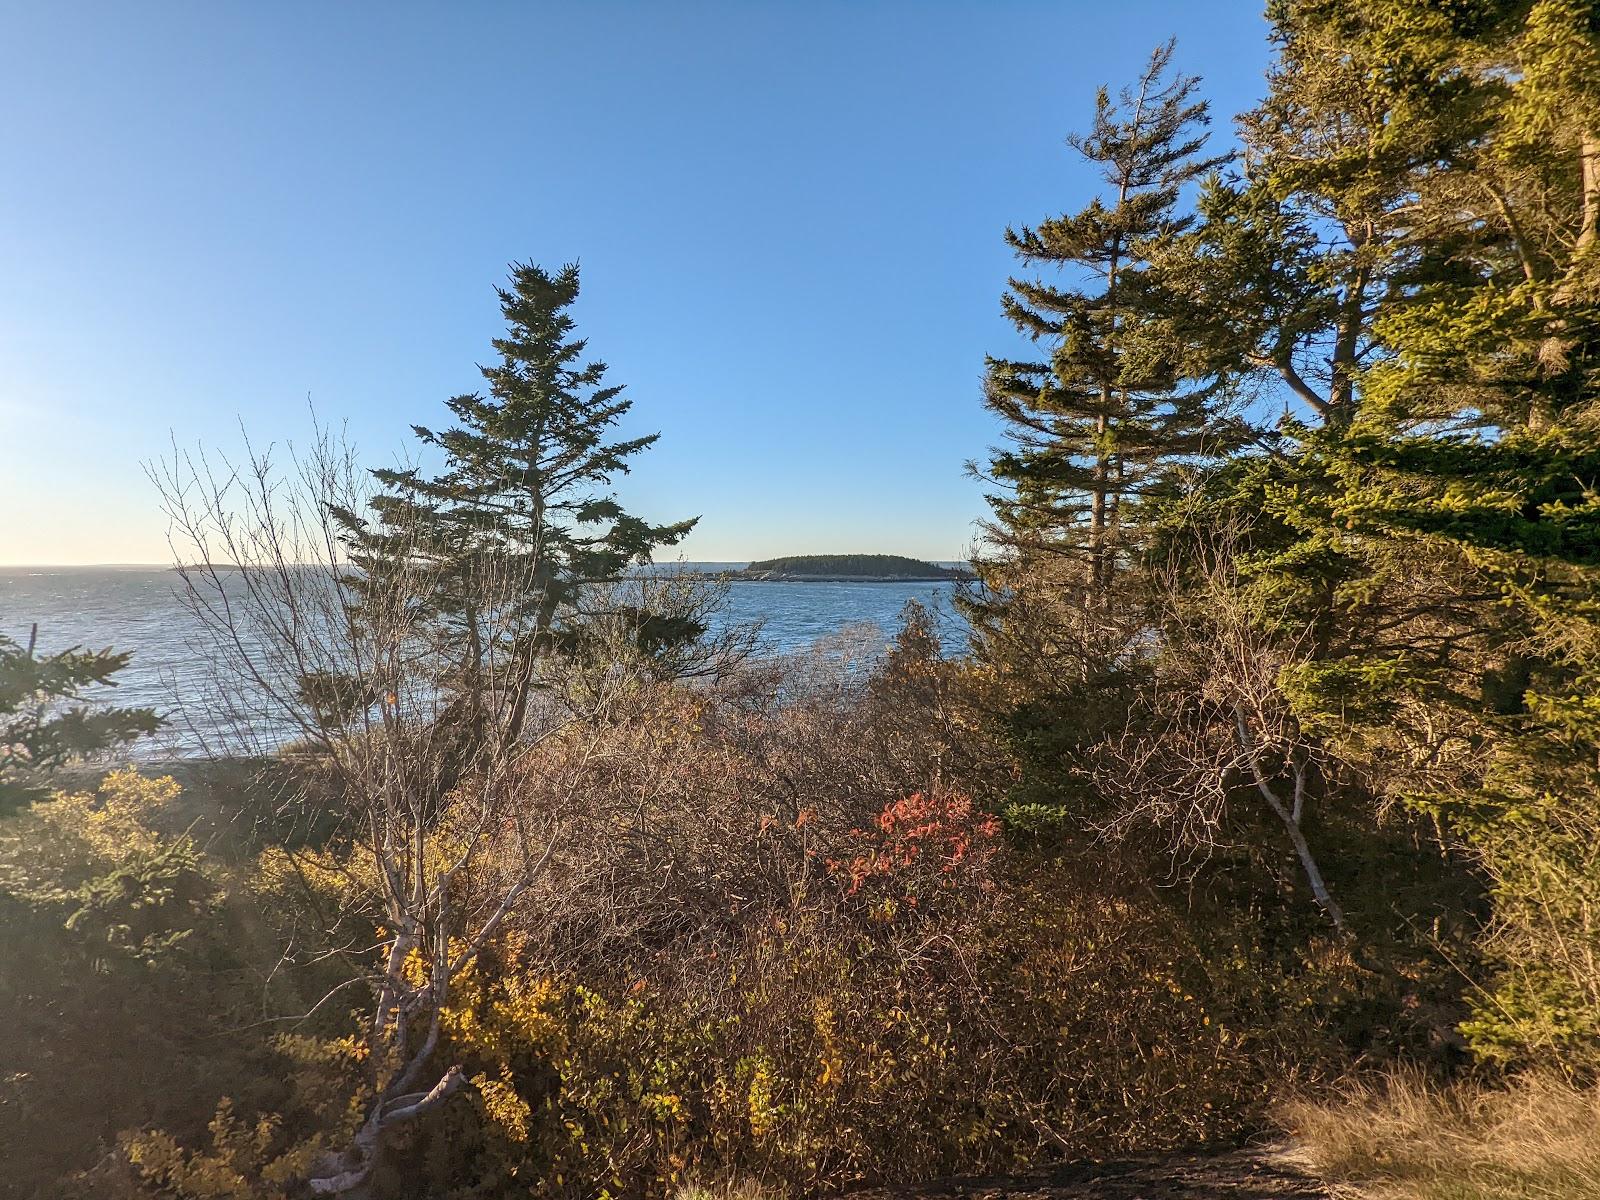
(349, 667)
(1215, 724)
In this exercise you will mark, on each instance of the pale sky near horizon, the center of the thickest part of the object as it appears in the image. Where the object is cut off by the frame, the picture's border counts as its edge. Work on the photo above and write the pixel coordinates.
(789, 217)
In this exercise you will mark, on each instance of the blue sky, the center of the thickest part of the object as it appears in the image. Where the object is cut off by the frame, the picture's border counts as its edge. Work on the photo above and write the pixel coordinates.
(789, 218)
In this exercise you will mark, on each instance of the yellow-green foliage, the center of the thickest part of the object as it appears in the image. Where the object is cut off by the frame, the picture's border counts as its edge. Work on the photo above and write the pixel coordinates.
(809, 1058)
(48, 850)
(1542, 853)
(805, 959)
(98, 911)
(267, 1156)
(99, 860)
(134, 970)
(242, 1162)
(809, 1065)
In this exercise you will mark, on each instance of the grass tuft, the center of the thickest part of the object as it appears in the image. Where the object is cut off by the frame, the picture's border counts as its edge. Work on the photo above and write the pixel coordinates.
(745, 1189)
(1403, 1138)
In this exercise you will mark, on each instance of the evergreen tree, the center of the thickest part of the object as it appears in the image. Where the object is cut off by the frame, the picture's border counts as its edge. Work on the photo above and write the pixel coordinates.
(1292, 271)
(1110, 418)
(521, 517)
(1409, 254)
(1096, 425)
(1411, 204)
(44, 724)
(1280, 283)
(1481, 432)
(1348, 203)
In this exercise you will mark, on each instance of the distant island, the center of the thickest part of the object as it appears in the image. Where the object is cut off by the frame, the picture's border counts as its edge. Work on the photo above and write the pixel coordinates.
(841, 568)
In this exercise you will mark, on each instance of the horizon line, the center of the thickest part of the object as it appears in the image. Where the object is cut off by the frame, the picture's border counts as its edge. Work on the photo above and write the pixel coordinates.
(164, 566)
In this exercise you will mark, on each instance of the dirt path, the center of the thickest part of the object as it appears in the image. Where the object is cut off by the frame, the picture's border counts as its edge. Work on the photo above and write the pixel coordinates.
(1268, 1174)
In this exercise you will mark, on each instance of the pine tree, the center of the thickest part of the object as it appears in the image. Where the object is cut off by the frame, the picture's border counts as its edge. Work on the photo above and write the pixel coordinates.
(521, 516)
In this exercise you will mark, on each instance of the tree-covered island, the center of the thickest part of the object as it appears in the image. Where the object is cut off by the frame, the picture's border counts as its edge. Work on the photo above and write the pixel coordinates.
(855, 568)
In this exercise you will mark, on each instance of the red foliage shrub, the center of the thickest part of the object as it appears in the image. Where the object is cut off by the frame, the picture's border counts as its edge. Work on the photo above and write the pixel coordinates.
(919, 845)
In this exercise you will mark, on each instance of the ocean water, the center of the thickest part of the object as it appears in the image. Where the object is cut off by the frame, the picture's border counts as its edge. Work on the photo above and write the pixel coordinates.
(137, 609)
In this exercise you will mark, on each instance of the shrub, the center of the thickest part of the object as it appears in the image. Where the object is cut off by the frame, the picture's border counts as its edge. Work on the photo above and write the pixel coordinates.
(780, 941)
(135, 969)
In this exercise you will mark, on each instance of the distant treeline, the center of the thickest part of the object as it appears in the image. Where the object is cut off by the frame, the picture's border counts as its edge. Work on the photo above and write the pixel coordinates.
(876, 565)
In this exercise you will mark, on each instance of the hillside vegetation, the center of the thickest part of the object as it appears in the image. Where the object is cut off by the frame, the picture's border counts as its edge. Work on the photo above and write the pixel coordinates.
(1267, 792)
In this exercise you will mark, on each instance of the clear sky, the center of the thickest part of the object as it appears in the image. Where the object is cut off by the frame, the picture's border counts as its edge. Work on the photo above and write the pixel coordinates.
(789, 217)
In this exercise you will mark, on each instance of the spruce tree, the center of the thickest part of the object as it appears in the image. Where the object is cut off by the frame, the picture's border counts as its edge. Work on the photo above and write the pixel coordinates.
(1107, 419)
(1096, 424)
(1481, 432)
(521, 515)
(1388, 257)
(1337, 217)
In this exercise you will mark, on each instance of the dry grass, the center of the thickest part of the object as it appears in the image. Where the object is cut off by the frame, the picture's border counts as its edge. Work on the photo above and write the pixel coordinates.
(743, 1190)
(1405, 1139)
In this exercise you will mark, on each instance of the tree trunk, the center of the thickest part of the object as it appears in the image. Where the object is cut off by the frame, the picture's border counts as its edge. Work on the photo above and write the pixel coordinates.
(1589, 169)
(1097, 513)
(1291, 815)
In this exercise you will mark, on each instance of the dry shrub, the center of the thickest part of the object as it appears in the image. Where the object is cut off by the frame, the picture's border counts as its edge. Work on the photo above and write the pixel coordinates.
(779, 941)
(737, 1190)
(1405, 1138)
